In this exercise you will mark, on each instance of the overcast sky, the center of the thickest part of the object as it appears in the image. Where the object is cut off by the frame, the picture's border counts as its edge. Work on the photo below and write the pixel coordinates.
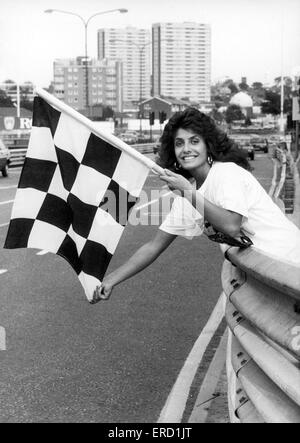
(246, 34)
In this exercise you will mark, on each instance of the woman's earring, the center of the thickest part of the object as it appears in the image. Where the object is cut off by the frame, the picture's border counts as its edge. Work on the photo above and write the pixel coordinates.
(177, 165)
(209, 160)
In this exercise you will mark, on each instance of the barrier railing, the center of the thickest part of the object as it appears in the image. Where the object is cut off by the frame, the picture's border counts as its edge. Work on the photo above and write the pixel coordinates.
(263, 315)
(17, 155)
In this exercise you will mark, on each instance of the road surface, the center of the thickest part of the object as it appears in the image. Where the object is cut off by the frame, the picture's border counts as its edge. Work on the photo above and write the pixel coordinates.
(114, 362)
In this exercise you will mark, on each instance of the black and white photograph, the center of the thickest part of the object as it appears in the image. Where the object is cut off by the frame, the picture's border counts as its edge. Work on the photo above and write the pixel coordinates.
(150, 214)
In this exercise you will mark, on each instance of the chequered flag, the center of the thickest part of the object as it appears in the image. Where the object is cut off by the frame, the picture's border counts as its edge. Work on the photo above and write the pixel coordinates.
(62, 202)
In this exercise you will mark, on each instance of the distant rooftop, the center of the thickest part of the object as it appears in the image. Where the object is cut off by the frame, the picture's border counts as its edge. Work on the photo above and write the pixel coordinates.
(242, 99)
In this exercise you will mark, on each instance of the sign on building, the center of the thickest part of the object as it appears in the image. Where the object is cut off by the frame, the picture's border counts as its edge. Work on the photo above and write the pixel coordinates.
(10, 123)
(296, 109)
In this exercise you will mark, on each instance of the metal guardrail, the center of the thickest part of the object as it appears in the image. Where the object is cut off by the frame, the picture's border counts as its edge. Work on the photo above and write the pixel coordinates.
(263, 315)
(17, 155)
(146, 148)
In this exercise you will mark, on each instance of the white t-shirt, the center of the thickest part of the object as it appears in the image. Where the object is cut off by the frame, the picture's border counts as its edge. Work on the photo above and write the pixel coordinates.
(233, 188)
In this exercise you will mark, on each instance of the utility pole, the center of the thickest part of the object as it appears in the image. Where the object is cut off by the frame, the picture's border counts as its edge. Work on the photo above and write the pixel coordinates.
(281, 125)
(18, 101)
(85, 24)
(296, 107)
(297, 140)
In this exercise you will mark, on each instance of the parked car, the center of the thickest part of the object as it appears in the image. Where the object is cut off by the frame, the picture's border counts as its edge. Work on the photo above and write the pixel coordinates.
(129, 137)
(244, 143)
(246, 146)
(260, 144)
(156, 148)
(4, 159)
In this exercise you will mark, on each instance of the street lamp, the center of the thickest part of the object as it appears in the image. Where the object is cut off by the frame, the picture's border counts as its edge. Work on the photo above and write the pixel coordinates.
(85, 24)
(141, 48)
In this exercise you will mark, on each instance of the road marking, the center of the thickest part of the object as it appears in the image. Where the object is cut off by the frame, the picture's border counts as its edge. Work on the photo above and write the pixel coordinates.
(174, 407)
(7, 202)
(42, 252)
(2, 339)
(15, 171)
(207, 391)
(3, 271)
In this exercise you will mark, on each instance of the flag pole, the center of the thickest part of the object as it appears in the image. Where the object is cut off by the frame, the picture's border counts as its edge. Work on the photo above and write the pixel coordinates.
(109, 138)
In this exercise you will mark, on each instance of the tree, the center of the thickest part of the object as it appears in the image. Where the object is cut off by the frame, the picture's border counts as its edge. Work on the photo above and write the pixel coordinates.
(233, 113)
(243, 86)
(5, 101)
(27, 104)
(257, 92)
(220, 95)
(108, 112)
(233, 88)
(286, 80)
(271, 105)
(216, 115)
(257, 85)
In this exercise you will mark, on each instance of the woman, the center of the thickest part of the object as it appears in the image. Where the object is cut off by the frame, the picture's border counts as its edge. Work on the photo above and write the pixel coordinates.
(218, 195)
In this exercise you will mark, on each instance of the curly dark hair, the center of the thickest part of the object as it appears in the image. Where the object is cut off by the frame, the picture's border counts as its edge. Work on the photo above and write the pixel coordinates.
(219, 145)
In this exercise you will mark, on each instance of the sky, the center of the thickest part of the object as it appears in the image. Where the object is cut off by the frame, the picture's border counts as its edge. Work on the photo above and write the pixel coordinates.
(248, 36)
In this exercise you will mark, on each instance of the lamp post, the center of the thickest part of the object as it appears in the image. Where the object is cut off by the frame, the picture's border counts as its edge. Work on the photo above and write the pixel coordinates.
(296, 77)
(141, 48)
(281, 124)
(85, 23)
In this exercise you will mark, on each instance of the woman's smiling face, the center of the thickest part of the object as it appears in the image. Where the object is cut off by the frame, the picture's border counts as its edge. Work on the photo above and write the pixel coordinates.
(190, 149)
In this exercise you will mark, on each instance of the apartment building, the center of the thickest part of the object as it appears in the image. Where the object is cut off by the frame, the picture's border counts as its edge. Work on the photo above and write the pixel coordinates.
(133, 47)
(104, 82)
(181, 60)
